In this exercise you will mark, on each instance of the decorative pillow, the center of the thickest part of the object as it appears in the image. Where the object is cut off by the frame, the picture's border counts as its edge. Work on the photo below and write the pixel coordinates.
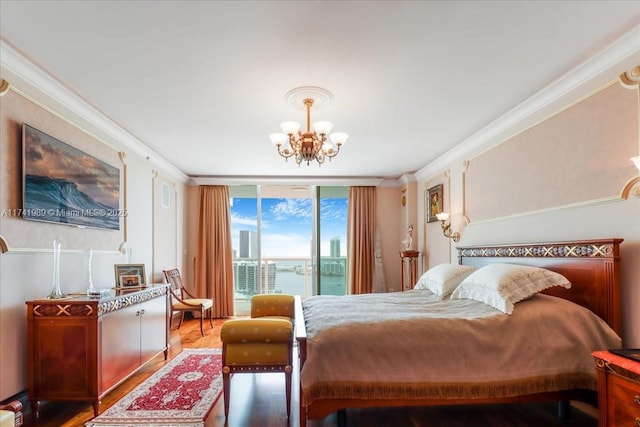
(503, 285)
(443, 278)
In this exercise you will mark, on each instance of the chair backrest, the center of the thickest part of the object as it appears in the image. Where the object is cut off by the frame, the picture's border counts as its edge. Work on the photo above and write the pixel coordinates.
(175, 280)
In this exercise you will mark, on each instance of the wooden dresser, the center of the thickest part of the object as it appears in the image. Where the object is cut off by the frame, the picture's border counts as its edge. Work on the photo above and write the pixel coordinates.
(81, 348)
(618, 390)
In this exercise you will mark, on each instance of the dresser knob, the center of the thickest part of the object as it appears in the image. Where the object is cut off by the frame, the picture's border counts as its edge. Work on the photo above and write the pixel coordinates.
(637, 421)
(636, 399)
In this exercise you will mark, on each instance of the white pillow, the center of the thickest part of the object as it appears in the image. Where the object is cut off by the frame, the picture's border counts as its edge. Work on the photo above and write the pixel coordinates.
(503, 285)
(443, 278)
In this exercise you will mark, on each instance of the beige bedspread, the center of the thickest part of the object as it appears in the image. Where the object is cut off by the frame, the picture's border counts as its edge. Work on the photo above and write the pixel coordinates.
(409, 345)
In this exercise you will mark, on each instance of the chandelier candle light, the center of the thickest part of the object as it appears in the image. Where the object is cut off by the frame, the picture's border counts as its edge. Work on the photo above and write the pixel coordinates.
(311, 144)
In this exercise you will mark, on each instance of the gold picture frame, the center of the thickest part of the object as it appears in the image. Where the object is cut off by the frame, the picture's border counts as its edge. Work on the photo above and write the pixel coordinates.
(435, 202)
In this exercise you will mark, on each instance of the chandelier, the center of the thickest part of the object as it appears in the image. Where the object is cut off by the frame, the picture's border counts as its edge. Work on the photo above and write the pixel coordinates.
(311, 144)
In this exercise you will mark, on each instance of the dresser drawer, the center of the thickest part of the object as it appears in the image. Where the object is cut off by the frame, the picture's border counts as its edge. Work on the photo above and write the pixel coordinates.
(624, 389)
(623, 401)
(620, 413)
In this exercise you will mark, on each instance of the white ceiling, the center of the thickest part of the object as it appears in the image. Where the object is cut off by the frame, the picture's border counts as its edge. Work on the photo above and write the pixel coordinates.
(202, 83)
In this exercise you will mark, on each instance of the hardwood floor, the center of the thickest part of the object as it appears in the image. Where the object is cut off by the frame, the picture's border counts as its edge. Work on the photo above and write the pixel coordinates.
(259, 401)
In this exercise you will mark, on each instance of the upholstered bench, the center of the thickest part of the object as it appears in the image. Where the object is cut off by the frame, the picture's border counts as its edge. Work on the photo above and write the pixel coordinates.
(263, 343)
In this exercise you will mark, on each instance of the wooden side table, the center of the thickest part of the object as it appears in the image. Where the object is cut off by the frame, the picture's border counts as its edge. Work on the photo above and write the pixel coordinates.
(409, 260)
(618, 390)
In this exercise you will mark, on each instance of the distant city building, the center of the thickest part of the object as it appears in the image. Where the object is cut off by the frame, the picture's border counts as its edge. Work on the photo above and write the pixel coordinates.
(248, 244)
(245, 274)
(333, 266)
(335, 247)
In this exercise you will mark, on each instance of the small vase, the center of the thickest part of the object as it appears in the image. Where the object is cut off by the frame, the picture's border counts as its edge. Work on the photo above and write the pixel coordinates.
(87, 256)
(56, 292)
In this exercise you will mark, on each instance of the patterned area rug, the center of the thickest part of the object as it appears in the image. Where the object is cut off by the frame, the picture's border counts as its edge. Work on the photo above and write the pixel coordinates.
(181, 393)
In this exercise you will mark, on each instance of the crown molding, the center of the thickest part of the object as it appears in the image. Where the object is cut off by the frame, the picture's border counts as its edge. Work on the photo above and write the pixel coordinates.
(284, 180)
(41, 85)
(622, 49)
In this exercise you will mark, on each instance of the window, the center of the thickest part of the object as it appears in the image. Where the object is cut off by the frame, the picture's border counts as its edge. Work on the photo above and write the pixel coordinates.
(278, 232)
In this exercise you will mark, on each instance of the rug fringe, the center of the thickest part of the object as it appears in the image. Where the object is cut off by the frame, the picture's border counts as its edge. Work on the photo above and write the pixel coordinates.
(90, 424)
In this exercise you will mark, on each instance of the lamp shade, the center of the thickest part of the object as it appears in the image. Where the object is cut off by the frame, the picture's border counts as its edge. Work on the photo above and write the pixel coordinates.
(339, 138)
(278, 138)
(322, 127)
(290, 127)
(442, 216)
(636, 161)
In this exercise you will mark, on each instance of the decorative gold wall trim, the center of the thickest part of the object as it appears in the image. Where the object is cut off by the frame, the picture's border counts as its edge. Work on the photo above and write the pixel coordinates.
(20, 106)
(4, 247)
(465, 166)
(624, 194)
(631, 78)
(4, 87)
(552, 209)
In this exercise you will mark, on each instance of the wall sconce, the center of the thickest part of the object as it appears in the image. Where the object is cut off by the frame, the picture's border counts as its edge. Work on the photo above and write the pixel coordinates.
(633, 182)
(446, 228)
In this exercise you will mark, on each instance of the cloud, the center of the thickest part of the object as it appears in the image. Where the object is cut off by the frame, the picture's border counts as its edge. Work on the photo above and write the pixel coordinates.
(297, 208)
(241, 220)
(286, 245)
(333, 210)
(46, 156)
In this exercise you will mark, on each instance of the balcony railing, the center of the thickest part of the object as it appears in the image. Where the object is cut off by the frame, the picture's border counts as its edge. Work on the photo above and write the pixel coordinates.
(289, 275)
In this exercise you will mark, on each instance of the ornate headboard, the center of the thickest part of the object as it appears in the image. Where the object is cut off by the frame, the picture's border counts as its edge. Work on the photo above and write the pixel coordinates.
(592, 267)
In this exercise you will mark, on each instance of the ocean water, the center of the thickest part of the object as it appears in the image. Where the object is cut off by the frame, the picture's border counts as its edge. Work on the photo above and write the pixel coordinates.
(60, 201)
(289, 282)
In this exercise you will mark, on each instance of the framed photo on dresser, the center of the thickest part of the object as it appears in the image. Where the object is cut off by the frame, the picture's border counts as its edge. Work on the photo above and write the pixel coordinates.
(130, 275)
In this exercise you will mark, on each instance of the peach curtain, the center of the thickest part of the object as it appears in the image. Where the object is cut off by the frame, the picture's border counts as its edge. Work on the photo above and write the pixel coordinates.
(361, 233)
(214, 256)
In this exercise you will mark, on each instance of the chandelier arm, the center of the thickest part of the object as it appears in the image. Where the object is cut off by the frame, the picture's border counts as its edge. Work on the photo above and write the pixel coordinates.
(285, 153)
(332, 153)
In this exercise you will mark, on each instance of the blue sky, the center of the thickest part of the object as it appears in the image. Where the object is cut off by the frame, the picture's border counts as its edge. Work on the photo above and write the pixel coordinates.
(286, 225)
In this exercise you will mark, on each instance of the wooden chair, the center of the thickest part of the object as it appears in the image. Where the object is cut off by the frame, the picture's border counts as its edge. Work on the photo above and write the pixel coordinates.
(11, 414)
(190, 303)
(263, 343)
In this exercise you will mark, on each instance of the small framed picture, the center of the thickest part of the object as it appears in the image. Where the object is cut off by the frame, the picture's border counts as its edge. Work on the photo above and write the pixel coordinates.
(434, 202)
(130, 281)
(127, 271)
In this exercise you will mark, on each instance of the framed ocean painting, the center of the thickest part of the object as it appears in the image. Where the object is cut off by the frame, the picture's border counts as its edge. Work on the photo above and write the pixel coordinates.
(64, 185)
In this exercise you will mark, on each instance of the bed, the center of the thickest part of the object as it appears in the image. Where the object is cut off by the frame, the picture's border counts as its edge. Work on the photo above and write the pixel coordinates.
(433, 352)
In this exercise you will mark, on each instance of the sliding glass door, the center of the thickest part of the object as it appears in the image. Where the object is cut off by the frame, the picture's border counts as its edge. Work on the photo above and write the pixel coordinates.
(332, 240)
(288, 239)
